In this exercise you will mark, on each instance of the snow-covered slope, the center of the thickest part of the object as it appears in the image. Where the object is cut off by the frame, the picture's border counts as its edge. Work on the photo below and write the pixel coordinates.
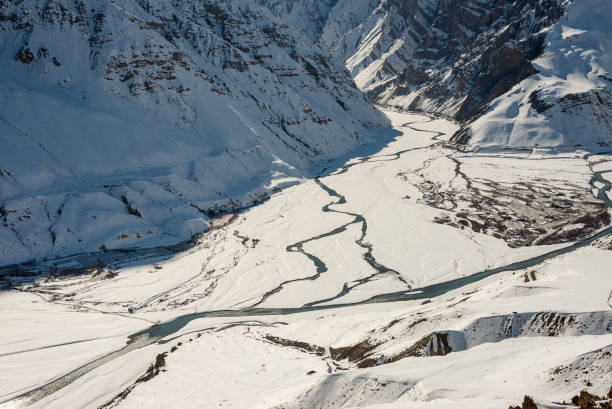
(375, 38)
(530, 73)
(178, 332)
(569, 101)
(131, 123)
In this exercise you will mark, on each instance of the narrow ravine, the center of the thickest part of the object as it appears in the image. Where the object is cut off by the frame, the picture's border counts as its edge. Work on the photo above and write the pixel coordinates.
(159, 331)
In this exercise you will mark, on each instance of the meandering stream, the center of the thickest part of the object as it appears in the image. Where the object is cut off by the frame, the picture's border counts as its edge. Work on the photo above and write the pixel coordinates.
(159, 331)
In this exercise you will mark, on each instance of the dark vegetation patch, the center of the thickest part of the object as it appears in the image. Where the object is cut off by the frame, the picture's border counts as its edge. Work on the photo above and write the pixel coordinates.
(245, 240)
(63, 273)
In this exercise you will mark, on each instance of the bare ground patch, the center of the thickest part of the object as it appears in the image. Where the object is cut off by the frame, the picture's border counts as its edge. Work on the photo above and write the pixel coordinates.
(521, 213)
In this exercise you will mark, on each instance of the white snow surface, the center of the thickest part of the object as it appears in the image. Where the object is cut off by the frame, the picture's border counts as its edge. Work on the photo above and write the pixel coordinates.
(377, 40)
(133, 121)
(164, 110)
(510, 334)
(576, 64)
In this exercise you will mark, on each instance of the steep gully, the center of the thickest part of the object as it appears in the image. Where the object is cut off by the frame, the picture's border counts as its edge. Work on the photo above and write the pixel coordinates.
(157, 332)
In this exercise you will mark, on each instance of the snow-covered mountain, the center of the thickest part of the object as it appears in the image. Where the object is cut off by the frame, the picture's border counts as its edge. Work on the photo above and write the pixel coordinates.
(347, 291)
(514, 73)
(400, 274)
(129, 123)
(568, 102)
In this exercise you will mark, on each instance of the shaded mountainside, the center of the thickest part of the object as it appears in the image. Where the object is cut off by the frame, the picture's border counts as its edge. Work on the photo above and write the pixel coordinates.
(131, 123)
(515, 73)
(530, 73)
(472, 52)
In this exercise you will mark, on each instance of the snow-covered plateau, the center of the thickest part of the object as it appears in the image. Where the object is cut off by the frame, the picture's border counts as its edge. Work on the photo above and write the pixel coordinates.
(360, 288)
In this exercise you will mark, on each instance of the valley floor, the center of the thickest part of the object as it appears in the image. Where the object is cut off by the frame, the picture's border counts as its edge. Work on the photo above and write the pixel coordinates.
(295, 285)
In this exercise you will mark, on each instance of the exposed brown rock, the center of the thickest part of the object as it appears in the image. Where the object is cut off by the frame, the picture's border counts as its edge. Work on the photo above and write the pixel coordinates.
(304, 346)
(354, 353)
(521, 214)
(24, 56)
(528, 403)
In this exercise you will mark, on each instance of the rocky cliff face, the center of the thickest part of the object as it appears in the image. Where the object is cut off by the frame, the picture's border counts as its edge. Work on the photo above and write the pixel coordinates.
(468, 58)
(567, 102)
(465, 59)
(132, 122)
(472, 52)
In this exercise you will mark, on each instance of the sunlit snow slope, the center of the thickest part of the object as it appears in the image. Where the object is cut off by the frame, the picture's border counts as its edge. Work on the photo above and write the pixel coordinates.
(569, 101)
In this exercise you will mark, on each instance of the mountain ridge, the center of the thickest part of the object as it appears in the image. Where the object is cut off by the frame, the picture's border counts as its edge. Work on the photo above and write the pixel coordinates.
(133, 123)
(463, 58)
